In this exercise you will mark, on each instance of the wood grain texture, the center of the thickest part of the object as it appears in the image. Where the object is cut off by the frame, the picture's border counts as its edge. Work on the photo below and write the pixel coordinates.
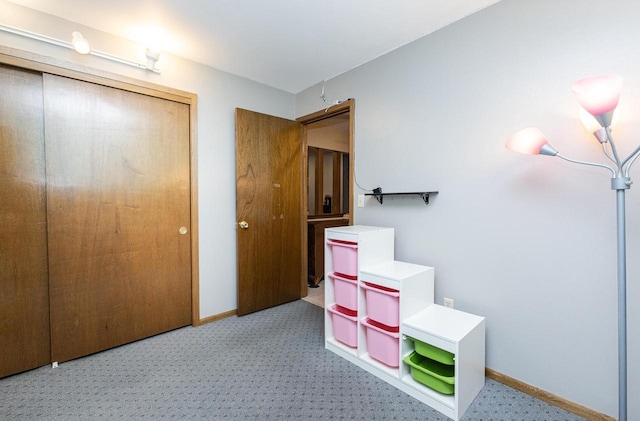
(336, 188)
(40, 63)
(118, 188)
(219, 316)
(24, 287)
(319, 181)
(50, 65)
(269, 197)
(195, 227)
(545, 396)
(315, 246)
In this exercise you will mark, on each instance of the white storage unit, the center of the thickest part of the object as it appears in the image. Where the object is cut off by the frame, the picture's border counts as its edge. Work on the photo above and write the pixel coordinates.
(459, 333)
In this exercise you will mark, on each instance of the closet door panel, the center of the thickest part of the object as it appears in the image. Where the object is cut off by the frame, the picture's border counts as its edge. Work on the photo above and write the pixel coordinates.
(24, 289)
(119, 214)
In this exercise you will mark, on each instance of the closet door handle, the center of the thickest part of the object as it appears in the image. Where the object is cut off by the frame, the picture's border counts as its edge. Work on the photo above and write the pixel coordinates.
(243, 224)
(183, 230)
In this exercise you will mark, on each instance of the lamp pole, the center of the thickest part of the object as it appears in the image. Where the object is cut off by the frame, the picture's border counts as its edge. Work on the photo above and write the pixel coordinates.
(620, 183)
(622, 293)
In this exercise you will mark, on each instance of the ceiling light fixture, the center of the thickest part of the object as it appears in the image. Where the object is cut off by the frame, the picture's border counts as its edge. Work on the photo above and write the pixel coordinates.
(152, 58)
(81, 45)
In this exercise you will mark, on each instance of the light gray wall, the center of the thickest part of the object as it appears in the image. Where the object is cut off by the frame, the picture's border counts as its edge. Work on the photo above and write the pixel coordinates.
(527, 242)
(219, 93)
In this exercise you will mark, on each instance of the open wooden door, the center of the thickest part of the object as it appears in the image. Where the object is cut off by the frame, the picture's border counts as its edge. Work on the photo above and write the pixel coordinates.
(269, 211)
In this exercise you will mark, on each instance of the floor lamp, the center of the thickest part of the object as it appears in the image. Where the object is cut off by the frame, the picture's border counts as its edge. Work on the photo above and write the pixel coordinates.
(599, 96)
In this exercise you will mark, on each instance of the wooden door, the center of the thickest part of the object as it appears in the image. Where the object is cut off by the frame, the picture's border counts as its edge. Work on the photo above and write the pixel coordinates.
(24, 288)
(118, 195)
(269, 200)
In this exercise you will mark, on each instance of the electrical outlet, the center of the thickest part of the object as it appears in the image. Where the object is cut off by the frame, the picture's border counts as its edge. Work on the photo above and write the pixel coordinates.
(361, 200)
(448, 302)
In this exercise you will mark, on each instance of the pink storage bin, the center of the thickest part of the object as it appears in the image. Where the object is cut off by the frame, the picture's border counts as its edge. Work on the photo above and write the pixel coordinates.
(383, 304)
(345, 257)
(345, 291)
(345, 325)
(382, 344)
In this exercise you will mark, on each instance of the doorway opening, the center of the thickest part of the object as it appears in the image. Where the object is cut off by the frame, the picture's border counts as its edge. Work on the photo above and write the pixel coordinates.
(328, 147)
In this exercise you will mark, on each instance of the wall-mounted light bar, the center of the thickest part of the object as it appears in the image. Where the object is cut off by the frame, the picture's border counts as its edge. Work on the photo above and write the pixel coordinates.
(81, 45)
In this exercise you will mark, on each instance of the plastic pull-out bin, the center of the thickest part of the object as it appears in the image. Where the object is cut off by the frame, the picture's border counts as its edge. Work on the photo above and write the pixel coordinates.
(437, 376)
(382, 342)
(433, 352)
(382, 304)
(345, 325)
(345, 291)
(345, 257)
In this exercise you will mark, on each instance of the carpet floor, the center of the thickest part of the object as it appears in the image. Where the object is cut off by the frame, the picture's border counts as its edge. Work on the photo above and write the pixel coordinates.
(268, 365)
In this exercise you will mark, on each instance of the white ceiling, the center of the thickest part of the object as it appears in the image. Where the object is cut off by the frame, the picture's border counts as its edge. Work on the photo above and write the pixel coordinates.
(287, 44)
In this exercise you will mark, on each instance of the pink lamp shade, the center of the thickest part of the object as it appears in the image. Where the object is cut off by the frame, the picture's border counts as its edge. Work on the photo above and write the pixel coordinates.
(598, 94)
(528, 141)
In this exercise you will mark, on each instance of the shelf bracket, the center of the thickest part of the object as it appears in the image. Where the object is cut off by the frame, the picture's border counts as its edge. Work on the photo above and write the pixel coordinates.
(377, 192)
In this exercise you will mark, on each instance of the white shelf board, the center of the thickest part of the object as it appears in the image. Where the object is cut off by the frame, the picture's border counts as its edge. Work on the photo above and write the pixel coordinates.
(443, 322)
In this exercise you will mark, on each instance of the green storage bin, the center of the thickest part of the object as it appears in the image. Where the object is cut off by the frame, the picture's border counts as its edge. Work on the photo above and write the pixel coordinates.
(437, 376)
(433, 353)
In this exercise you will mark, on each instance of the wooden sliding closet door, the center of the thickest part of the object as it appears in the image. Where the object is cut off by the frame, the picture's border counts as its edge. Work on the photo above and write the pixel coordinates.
(24, 288)
(118, 191)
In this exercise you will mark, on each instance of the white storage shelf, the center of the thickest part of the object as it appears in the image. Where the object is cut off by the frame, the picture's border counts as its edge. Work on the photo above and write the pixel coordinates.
(463, 335)
(460, 333)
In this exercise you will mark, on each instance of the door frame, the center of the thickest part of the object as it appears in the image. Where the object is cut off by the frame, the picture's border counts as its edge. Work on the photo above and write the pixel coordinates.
(44, 64)
(347, 106)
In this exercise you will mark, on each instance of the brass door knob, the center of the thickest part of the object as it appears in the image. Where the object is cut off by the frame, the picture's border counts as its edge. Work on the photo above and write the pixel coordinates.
(183, 230)
(243, 224)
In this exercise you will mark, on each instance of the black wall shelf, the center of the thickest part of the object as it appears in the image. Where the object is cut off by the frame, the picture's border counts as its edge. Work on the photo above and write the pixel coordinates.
(379, 195)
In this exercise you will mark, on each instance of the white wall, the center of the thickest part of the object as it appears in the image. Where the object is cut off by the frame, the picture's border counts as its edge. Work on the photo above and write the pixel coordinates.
(218, 95)
(528, 242)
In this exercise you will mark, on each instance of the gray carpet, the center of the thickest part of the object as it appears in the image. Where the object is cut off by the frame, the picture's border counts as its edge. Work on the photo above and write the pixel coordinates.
(267, 365)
